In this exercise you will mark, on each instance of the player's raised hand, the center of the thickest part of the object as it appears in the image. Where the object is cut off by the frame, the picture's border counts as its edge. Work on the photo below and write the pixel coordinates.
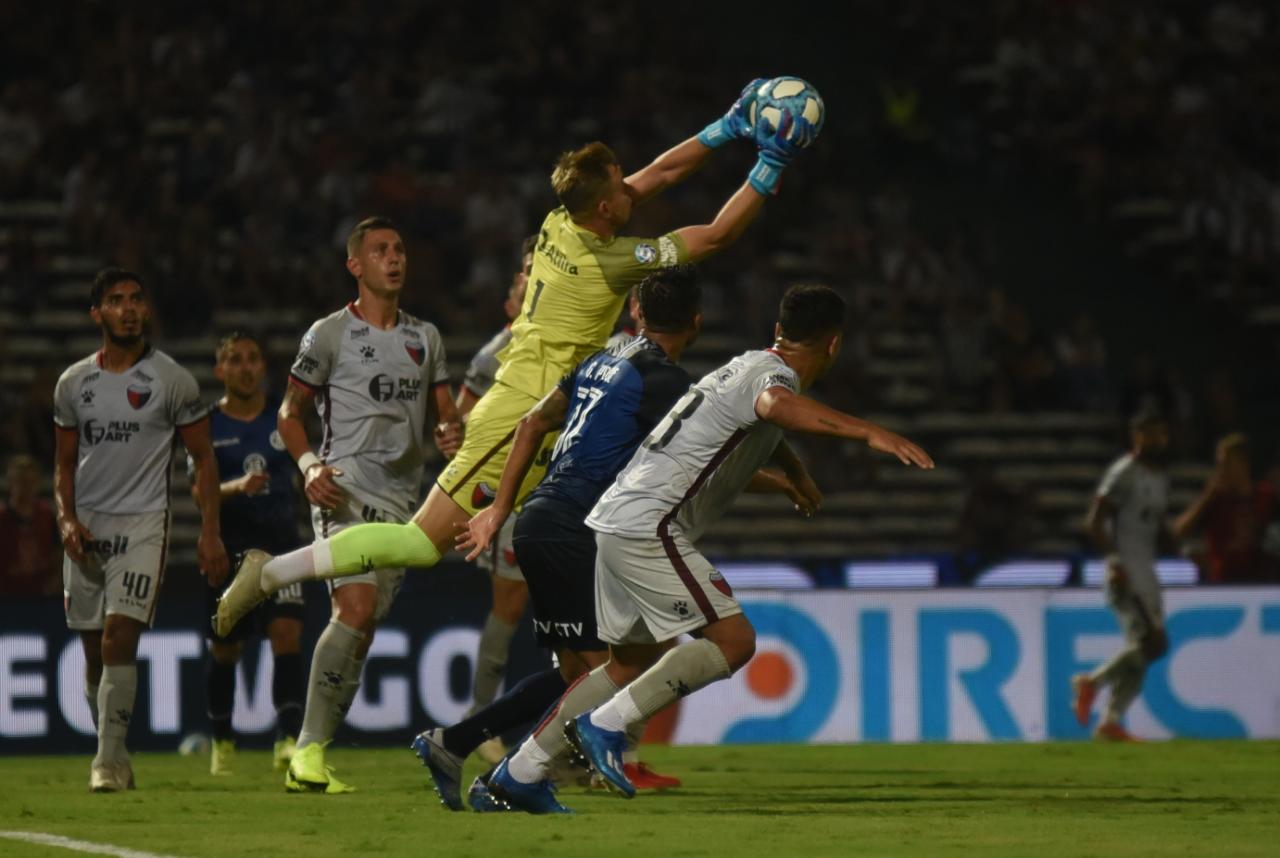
(449, 438)
(736, 123)
(75, 536)
(212, 557)
(320, 487)
(907, 452)
(478, 533)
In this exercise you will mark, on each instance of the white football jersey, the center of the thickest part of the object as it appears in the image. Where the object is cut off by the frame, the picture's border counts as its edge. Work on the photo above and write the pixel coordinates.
(372, 389)
(1140, 496)
(125, 422)
(700, 457)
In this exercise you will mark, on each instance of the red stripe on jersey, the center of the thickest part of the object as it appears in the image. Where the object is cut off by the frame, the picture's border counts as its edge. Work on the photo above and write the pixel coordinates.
(310, 388)
(669, 544)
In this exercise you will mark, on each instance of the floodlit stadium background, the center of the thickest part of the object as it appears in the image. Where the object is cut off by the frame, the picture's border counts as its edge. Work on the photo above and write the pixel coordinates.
(1042, 217)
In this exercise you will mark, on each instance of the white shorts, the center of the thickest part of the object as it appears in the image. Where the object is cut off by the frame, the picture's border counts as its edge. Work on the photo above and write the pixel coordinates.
(650, 590)
(500, 559)
(122, 573)
(353, 512)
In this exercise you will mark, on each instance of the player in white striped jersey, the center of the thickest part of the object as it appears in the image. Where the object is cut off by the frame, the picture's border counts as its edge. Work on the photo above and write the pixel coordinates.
(652, 585)
(116, 412)
(376, 374)
(1127, 521)
(510, 594)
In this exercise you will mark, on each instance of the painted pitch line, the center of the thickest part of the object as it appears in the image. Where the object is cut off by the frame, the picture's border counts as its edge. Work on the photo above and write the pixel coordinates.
(78, 845)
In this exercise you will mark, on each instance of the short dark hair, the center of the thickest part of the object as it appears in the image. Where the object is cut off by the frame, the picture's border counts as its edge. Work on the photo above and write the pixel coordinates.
(231, 339)
(670, 298)
(581, 176)
(809, 311)
(108, 277)
(356, 239)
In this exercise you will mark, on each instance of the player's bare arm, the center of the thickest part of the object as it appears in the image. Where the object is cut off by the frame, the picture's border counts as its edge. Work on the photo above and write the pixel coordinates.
(1101, 512)
(796, 413)
(729, 224)
(209, 549)
(448, 431)
(545, 417)
(466, 401)
(1193, 517)
(317, 480)
(670, 168)
(74, 534)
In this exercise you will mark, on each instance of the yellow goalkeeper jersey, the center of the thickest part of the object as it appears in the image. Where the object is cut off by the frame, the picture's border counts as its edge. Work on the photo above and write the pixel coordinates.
(575, 293)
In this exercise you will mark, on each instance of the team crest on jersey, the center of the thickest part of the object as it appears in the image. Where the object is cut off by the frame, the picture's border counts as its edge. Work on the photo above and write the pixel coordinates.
(416, 351)
(277, 443)
(717, 581)
(139, 395)
(482, 495)
(645, 253)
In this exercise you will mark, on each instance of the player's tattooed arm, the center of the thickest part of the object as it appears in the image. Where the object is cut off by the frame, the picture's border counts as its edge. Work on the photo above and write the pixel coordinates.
(781, 407)
(210, 551)
(74, 534)
(670, 168)
(317, 481)
(544, 418)
(449, 428)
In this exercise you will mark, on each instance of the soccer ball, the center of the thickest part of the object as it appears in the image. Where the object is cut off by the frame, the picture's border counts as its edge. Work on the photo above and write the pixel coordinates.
(786, 93)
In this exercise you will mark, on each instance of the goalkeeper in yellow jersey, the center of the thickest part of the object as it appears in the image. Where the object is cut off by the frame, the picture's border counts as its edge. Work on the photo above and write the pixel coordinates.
(582, 271)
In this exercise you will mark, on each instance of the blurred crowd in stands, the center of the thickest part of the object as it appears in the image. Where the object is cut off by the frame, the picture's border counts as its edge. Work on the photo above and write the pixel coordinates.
(226, 153)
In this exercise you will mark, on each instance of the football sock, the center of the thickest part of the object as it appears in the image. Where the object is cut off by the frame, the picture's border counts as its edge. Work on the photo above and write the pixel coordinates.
(286, 693)
(491, 662)
(220, 691)
(526, 700)
(531, 762)
(682, 671)
(350, 552)
(1125, 688)
(1123, 662)
(116, 693)
(335, 676)
(91, 697)
(631, 754)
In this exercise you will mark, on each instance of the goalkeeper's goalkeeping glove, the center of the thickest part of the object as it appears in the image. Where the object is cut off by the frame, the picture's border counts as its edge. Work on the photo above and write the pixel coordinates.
(734, 125)
(776, 150)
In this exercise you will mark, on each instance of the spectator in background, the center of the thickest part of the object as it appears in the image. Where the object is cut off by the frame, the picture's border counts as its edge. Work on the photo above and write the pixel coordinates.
(30, 551)
(1233, 511)
(1082, 354)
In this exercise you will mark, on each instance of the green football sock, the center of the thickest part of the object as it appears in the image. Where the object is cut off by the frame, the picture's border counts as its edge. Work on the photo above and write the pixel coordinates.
(350, 552)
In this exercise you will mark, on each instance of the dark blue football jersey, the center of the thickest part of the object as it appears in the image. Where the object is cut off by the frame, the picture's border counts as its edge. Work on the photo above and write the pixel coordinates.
(268, 520)
(616, 397)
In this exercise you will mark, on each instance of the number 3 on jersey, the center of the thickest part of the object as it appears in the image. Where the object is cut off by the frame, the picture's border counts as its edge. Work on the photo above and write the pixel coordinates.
(666, 430)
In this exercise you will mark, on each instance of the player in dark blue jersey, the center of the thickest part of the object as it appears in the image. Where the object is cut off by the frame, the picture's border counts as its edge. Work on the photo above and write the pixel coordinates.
(259, 510)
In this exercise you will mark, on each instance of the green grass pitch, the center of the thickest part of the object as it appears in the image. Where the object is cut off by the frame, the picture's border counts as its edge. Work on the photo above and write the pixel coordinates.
(1161, 799)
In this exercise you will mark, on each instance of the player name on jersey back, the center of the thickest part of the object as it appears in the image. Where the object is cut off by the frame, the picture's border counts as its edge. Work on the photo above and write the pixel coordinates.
(701, 456)
(125, 424)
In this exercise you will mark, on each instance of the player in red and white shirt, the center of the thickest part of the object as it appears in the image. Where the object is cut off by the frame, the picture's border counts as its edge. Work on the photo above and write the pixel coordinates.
(116, 413)
(652, 584)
